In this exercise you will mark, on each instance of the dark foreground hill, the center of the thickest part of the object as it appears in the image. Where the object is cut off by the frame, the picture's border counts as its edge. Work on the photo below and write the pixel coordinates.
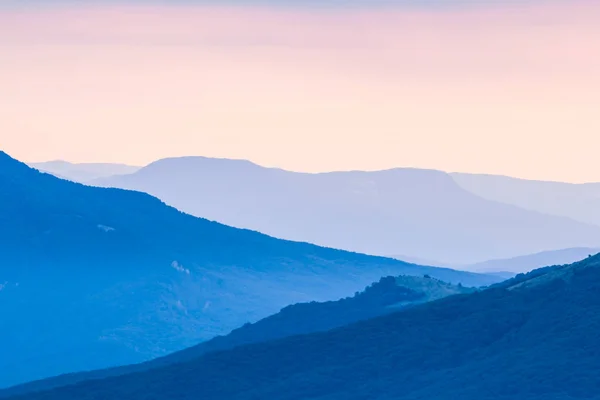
(388, 295)
(93, 278)
(534, 338)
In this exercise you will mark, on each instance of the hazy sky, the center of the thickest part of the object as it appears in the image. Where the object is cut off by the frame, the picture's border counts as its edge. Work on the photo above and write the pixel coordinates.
(504, 87)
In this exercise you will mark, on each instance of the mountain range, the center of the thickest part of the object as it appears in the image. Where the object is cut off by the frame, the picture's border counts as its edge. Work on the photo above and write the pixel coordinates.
(533, 261)
(423, 214)
(388, 295)
(509, 267)
(580, 202)
(114, 277)
(534, 337)
(83, 172)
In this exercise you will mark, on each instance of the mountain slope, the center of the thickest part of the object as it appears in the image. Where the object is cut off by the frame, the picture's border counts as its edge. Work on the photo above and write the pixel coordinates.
(534, 338)
(419, 213)
(580, 202)
(83, 172)
(115, 277)
(533, 261)
(511, 266)
(386, 296)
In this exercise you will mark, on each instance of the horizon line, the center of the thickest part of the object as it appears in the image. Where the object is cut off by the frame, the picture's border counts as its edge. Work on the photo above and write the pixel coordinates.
(264, 166)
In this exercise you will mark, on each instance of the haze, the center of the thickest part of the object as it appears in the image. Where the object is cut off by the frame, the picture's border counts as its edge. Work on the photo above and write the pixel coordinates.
(500, 88)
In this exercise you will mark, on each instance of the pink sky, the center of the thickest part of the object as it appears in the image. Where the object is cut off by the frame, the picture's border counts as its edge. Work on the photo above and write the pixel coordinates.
(510, 90)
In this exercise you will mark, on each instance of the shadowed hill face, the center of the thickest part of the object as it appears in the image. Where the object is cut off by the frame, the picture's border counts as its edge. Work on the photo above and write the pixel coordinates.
(53, 220)
(383, 297)
(116, 277)
(419, 213)
(535, 343)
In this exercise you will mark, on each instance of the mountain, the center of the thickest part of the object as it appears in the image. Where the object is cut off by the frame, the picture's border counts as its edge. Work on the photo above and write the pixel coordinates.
(419, 213)
(417, 260)
(580, 202)
(533, 261)
(508, 267)
(83, 172)
(114, 277)
(383, 297)
(532, 338)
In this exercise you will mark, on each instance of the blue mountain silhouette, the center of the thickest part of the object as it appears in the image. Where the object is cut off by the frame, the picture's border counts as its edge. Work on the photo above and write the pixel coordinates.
(386, 296)
(93, 278)
(419, 213)
(534, 337)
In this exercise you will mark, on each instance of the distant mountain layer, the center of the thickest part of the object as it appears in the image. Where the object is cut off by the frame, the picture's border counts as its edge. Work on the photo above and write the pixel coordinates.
(515, 265)
(580, 202)
(113, 277)
(532, 338)
(388, 295)
(420, 213)
(534, 261)
(83, 172)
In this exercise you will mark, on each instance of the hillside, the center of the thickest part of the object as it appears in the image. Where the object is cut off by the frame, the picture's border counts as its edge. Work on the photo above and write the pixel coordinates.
(510, 266)
(580, 202)
(525, 341)
(533, 261)
(115, 277)
(383, 297)
(422, 214)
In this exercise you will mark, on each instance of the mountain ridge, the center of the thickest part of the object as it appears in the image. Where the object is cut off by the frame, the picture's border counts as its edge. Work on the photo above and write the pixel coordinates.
(83, 172)
(535, 343)
(424, 214)
(388, 295)
(578, 201)
(520, 264)
(134, 279)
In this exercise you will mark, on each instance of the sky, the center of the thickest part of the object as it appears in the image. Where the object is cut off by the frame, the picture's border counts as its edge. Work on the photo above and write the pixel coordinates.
(501, 87)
